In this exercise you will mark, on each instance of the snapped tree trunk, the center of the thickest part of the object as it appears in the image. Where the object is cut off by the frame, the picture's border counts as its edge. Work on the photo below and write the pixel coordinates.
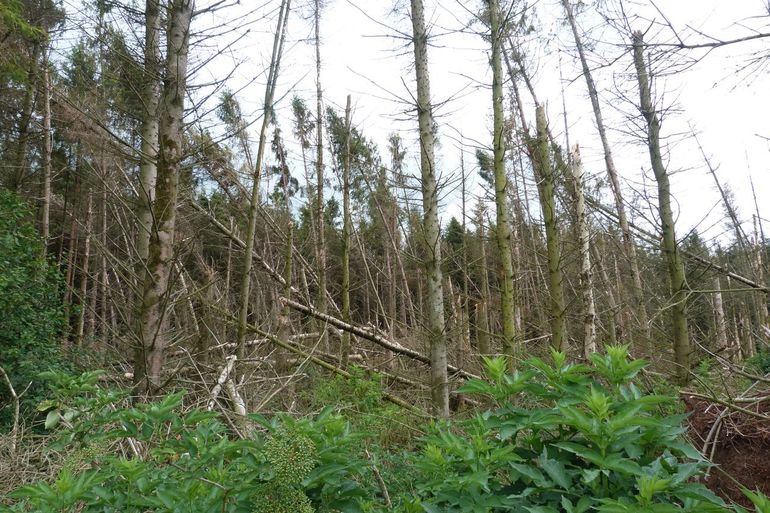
(584, 248)
(431, 228)
(150, 356)
(677, 283)
(501, 184)
(541, 156)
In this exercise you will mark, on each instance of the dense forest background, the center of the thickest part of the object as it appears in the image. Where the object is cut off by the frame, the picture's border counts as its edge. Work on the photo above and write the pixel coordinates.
(250, 244)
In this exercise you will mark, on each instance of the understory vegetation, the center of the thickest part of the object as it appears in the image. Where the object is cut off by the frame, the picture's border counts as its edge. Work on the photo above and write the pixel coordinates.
(553, 437)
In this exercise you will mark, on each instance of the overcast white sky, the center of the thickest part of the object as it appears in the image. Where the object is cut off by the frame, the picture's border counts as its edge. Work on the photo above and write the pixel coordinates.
(363, 56)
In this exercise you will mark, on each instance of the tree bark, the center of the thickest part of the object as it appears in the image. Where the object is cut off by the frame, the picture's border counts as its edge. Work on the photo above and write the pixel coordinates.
(148, 154)
(150, 356)
(319, 166)
(84, 271)
(501, 185)
(584, 248)
(431, 227)
(676, 274)
(720, 325)
(541, 153)
(47, 172)
(346, 236)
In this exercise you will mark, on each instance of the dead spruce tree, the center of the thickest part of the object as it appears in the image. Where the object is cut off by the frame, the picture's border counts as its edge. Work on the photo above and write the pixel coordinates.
(431, 228)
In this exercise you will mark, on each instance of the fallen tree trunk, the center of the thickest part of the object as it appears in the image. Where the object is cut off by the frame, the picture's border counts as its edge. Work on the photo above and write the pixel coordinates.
(372, 337)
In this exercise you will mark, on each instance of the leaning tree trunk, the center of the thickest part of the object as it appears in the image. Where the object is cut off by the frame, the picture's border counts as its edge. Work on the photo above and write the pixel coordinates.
(275, 62)
(670, 249)
(501, 185)
(150, 355)
(612, 172)
(431, 227)
(541, 156)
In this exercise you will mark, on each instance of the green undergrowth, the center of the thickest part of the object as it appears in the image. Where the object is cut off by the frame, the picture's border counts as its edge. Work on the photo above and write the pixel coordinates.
(559, 437)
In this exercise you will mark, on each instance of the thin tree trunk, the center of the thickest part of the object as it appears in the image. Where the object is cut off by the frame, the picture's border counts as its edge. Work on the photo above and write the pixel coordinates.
(319, 214)
(275, 62)
(47, 172)
(720, 325)
(346, 232)
(611, 302)
(612, 173)
(541, 153)
(501, 185)
(84, 271)
(482, 310)
(669, 245)
(149, 136)
(431, 227)
(150, 356)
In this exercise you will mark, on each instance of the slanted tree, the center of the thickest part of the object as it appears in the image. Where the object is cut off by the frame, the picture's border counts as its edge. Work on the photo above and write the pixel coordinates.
(676, 275)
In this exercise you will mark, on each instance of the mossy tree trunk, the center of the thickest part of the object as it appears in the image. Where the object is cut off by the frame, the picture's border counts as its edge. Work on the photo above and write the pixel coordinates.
(541, 157)
(150, 355)
(674, 263)
(502, 188)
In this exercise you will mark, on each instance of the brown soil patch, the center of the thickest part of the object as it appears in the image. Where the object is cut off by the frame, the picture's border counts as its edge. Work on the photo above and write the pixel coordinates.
(742, 447)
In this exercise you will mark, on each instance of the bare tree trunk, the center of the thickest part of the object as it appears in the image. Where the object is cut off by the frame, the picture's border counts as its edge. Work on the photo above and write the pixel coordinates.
(149, 135)
(584, 247)
(47, 172)
(319, 214)
(541, 156)
(669, 245)
(501, 185)
(482, 310)
(431, 228)
(612, 173)
(275, 62)
(346, 233)
(611, 302)
(720, 325)
(150, 356)
(84, 271)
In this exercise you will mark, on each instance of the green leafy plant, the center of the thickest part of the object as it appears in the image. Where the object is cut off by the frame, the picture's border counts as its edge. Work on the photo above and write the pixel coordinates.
(172, 460)
(30, 307)
(594, 442)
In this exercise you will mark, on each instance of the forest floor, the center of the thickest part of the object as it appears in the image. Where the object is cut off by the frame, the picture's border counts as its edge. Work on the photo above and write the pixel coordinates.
(739, 444)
